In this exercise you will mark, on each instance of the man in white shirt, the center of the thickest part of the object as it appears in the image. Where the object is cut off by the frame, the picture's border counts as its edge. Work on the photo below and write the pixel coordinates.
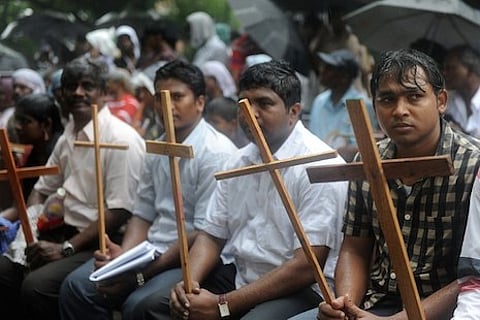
(154, 211)
(270, 277)
(462, 76)
(32, 293)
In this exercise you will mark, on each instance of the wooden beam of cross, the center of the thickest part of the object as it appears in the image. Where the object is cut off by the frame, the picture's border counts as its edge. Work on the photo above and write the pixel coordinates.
(376, 173)
(272, 166)
(175, 150)
(97, 145)
(14, 174)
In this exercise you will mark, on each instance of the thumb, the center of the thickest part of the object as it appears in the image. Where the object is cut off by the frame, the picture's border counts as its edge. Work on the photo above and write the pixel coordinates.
(351, 308)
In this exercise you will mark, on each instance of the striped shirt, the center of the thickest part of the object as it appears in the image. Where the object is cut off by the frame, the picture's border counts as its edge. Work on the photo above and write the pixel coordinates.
(431, 214)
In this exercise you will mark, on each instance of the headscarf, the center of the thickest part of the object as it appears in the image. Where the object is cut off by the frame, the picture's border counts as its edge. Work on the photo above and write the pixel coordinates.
(29, 78)
(224, 79)
(140, 79)
(202, 28)
(102, 39)
(130, 32)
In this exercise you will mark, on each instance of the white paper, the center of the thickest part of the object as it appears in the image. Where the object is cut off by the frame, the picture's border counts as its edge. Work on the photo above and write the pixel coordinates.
(137, 257)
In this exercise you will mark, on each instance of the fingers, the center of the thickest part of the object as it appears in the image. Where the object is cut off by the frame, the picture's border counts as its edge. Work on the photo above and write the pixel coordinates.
(178, 308)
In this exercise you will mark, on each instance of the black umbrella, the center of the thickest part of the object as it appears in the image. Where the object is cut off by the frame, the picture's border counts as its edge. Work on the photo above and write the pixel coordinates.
(272, 31)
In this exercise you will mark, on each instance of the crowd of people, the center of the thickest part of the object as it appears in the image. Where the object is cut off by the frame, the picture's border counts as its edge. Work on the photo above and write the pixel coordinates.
(246, 261)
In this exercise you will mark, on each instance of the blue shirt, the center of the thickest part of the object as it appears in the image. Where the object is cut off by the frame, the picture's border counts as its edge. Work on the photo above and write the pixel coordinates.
(331, 123)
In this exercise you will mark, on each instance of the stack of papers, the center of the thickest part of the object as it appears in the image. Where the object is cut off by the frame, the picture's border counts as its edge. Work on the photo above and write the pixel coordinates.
(135, 258)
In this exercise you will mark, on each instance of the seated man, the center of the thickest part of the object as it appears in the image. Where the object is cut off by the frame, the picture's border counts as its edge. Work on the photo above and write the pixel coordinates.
(154, 212)
(270, 277)
(409, 98)
(31, 292)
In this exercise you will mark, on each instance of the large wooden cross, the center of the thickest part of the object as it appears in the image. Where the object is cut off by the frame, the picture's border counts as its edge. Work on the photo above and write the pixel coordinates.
(174, 151)
(97, 145)
(14, 175)
(376, 172)
(273, 166)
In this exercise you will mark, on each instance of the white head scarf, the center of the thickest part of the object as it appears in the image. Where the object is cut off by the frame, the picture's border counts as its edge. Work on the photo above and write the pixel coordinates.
(140, 79)
(102, 39)
(224, 79)
(202, 28)
(130, 32)
(29, 78)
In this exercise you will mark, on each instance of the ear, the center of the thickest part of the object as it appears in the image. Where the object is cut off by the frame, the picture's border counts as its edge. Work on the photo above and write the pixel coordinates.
(47, 125)
(442, 98)
(295, 110)
(200, 103)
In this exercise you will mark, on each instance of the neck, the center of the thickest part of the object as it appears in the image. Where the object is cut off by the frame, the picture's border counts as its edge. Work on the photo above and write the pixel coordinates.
(423, 148)
(182, 134)
(338, 93)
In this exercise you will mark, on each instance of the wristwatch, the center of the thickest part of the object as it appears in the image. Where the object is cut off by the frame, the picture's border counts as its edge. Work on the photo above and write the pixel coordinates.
(223, 307)
(67, 249)
(140, 279)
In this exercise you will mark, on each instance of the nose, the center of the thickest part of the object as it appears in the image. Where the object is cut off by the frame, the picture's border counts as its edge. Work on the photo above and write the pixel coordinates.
(401, 109)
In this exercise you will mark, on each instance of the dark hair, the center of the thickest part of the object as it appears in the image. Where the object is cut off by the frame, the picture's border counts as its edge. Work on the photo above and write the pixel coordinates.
(400, 63)
(83, 67)
(468, 56)
(41, 107)
(224, 107)
(185, 72)
(275, 75)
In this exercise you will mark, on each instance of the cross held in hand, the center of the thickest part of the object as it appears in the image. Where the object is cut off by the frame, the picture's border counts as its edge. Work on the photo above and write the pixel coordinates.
(14, 175)
(97, 145)
(175, 150)
(273, 166)
(376, 172)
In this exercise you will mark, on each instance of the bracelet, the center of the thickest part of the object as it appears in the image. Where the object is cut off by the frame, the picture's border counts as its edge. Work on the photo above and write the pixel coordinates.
(140, 279)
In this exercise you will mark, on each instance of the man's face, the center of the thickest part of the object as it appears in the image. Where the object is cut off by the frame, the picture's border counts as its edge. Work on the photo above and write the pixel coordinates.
(186, 109)
(456, 74)
(409, 114)
(80, 94)
(275, 121)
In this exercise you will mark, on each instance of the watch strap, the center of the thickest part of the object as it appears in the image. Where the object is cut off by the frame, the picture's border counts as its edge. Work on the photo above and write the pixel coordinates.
(223, 307)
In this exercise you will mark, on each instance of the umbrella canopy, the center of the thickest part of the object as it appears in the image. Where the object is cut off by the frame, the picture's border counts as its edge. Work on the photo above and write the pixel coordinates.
(394, 24)
(138, 20)
(272, 31)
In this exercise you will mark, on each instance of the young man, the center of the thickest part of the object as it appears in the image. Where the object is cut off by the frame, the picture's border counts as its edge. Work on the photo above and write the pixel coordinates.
(154, 213)
(34, 290)
(270, 277)
(409, 97)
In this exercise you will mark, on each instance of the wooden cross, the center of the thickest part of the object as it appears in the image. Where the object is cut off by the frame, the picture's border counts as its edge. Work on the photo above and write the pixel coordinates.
(96, 144)
(14, 175)
(376, 172)
(175, 150)
(272, 166)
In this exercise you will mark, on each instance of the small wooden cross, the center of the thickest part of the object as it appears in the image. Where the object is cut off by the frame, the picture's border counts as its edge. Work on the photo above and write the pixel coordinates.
(14, 175)
(272, 166)
(376, 172)
(175, 150)
(97, 145)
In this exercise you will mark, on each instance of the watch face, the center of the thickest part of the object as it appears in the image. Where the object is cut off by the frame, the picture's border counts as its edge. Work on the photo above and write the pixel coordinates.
(67, 249)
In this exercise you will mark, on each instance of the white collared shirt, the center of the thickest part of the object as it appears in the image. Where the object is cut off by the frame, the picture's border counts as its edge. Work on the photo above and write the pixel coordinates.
(457, 109)
(248, 212)
(154, 201)
(121, 169)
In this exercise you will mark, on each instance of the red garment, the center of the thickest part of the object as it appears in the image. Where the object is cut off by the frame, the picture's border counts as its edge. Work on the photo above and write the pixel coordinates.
(124, 108)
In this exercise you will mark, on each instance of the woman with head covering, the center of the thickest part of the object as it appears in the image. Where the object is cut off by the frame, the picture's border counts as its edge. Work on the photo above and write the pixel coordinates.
(204, 38)
(218, 80)
(127, 42)
(102, 47)
(27, 81)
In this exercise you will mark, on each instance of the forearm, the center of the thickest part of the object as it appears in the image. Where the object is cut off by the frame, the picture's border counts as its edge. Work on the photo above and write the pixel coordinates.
(439, 305)
(114, 219)
(204, 255)
(352, 273)
(36, 197)
(169, 259)
(275, 284)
